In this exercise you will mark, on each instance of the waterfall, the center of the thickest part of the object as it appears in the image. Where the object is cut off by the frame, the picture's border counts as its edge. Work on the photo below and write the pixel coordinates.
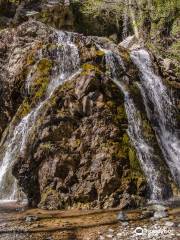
(133, 18)
(149, 160)
(125, 20)
(68, 65)
(161, 111)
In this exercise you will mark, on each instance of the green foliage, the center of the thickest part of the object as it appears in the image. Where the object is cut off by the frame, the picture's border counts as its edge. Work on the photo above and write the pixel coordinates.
(97, 7)
(175, 50)
(164, 8)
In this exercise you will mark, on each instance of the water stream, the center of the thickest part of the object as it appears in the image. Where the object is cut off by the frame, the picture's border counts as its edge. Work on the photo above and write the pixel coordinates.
(147, 155)
(161, 111)
(68, 59)
(125, 20)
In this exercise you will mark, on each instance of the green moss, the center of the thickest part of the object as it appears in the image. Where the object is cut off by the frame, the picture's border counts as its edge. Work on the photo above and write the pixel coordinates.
(89, 67)
(52, 194)
(148, 131)
(44, 66)
(41, 80)
(37, 89)
(125, 55)
(100, 53)
(40, 87)
(121, 154)
(134, 162)
(51, 47)
(176, 28)
(44, 16)
(31, 59)
(125, 139)
(111, 104)
(76, 143)
(121, 114)
(175, 50)
(24, 109)
(47, 147)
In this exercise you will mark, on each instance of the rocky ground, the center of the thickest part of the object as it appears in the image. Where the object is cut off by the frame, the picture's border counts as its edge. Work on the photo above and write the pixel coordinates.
(154, 222)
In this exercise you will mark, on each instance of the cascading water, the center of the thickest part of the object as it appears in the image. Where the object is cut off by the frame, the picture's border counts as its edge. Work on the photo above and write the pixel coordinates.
(146, 153)
(125, 20)
(160, 110)
(68, 59)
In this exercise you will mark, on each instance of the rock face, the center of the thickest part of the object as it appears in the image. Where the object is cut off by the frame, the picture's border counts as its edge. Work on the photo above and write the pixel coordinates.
(16, 57)
(77, 152)
(88, 17)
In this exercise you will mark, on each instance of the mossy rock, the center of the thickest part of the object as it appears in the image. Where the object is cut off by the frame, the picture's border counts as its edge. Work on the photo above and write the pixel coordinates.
(50, 199)
(24, 109)
(42, 78)
(121, 114)
(100, 53)
(134, 162)
(88, 67)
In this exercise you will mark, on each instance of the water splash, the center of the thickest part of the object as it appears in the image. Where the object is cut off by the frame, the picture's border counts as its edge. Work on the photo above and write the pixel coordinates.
(68, 59)
(161, 111)
(146, 153)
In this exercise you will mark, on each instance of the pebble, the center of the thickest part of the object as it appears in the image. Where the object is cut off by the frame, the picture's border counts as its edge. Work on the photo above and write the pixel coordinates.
(101, 237)
(125, 224)
(158, 207)
(169, 224)
(31, 218)
(119, 234)
(109, 236)
(160, 214)
(111, 230)
(49, 238)
(121, 216)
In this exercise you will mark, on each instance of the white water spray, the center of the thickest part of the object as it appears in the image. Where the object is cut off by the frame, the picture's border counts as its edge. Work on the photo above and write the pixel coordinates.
(160, 110)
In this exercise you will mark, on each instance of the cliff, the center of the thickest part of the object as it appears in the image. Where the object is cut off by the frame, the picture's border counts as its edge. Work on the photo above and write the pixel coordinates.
(63, 120)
